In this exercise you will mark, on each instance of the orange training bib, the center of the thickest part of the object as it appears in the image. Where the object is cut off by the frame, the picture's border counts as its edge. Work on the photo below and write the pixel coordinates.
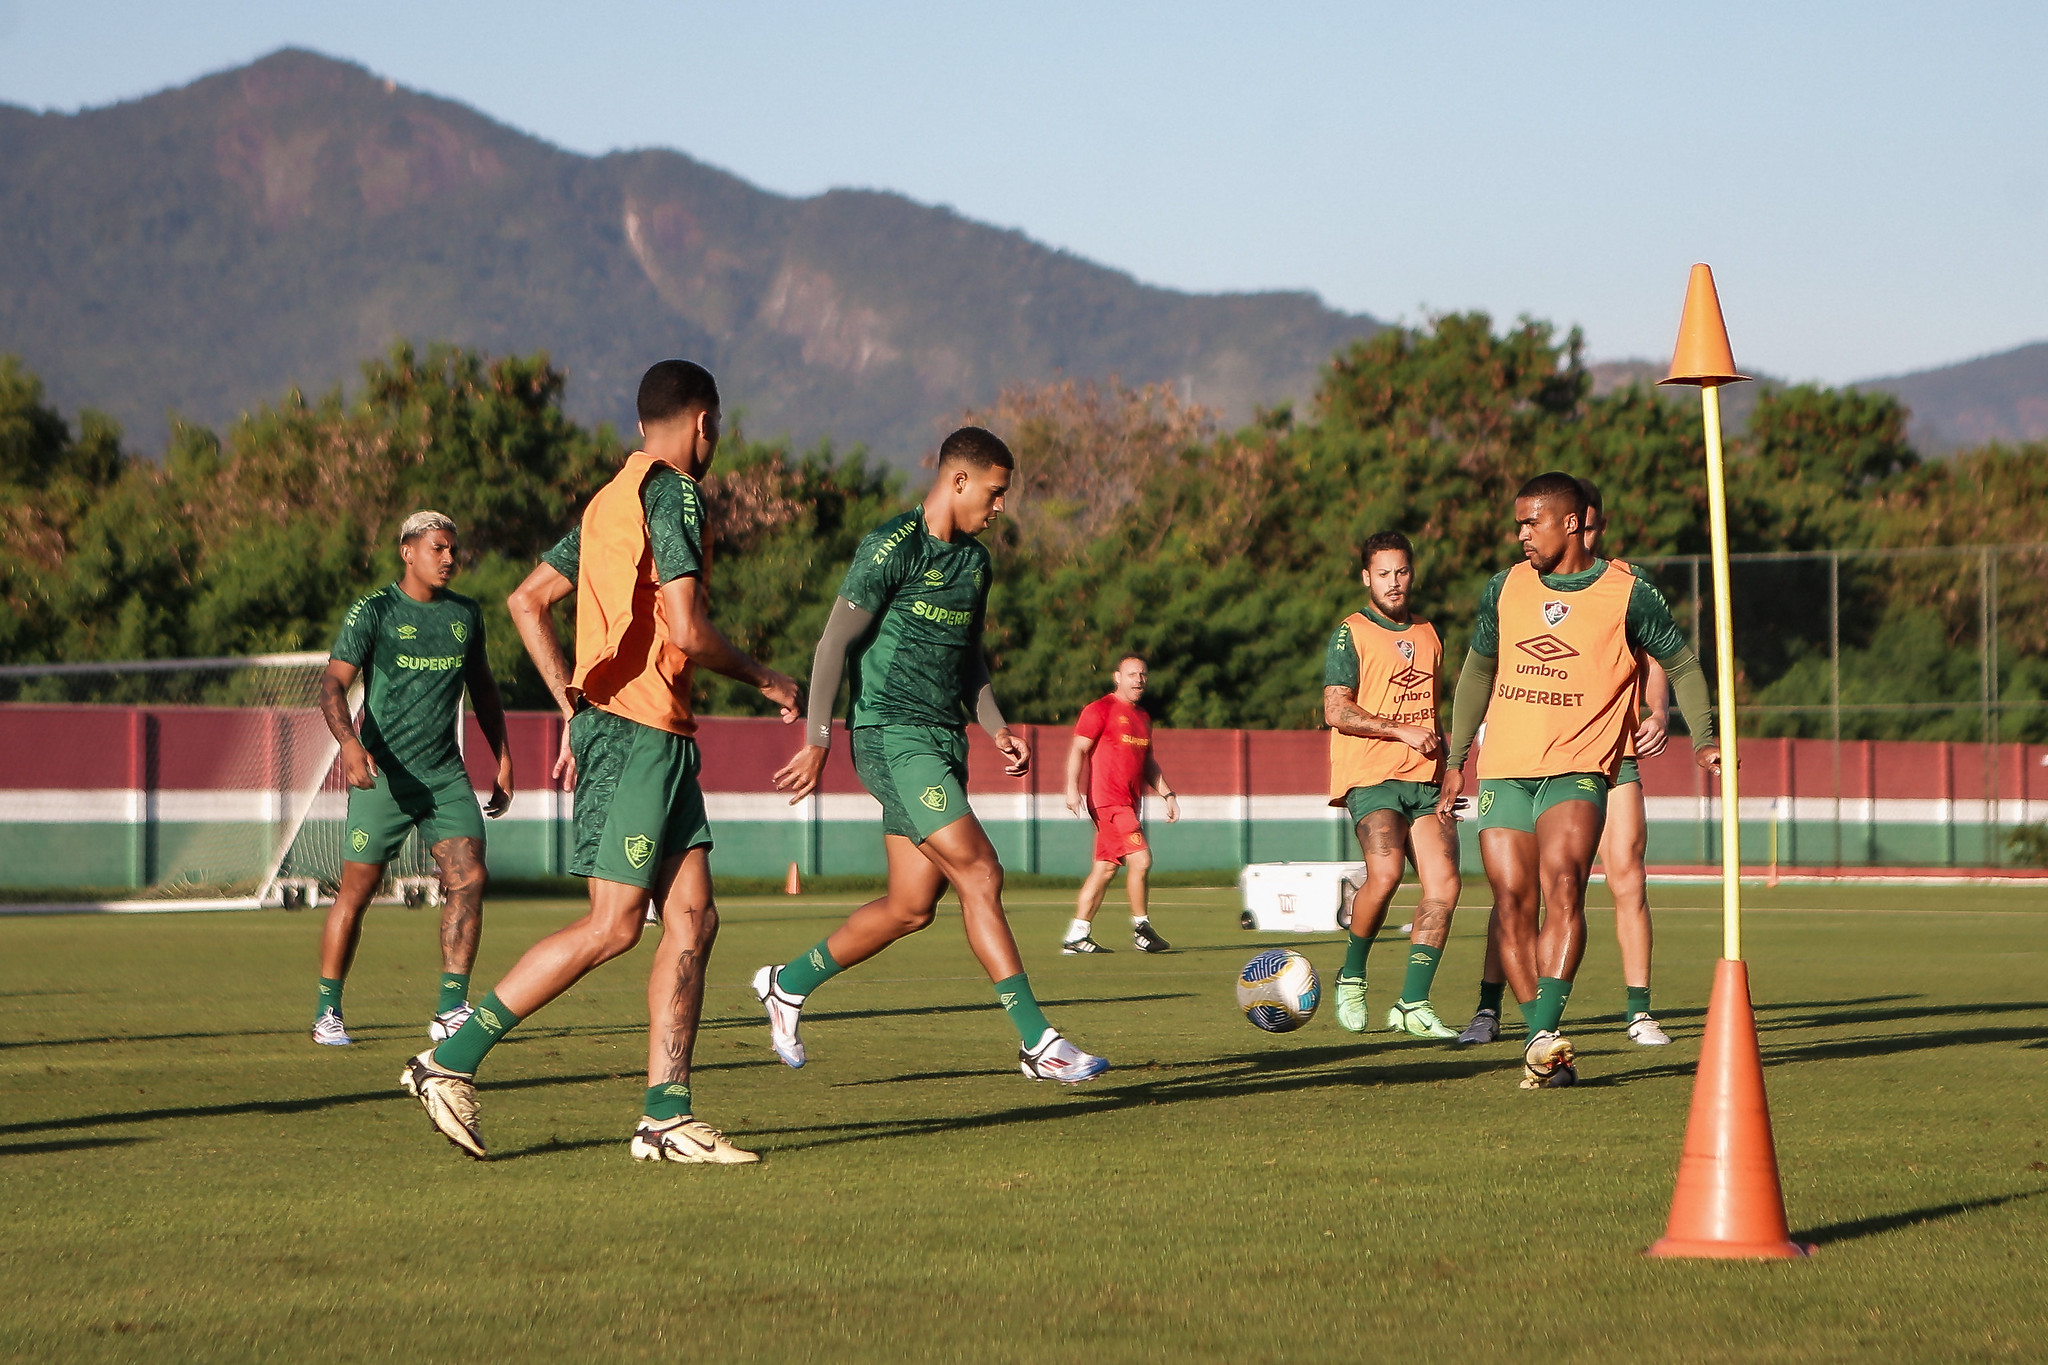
(1397, 677)
(1562, 697)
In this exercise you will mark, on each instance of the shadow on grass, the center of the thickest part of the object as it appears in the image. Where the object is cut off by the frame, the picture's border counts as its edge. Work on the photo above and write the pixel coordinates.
(297, 1031)
(552, 1146)
(67, 1145)
(1850, 1230)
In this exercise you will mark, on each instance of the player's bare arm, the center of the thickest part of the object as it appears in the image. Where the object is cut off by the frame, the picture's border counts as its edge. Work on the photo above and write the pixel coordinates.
(490, 718)
(1342, 712)
(1655, 730)
(532, 605)
(686, 604)
(1077, 772)
(1156, 781)
(356, 764)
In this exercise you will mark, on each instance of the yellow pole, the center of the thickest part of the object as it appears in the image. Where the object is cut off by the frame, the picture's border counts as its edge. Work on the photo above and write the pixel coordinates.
(1724, 669)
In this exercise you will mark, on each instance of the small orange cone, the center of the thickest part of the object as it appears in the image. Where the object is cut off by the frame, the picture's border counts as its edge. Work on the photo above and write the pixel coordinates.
(793, 884)
(1702, 356)
(1728, 1204)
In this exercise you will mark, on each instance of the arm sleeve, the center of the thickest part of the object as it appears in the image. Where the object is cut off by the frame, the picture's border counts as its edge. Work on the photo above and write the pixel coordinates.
(1475, 690)
(353, 644)
(674, 509)
(1340, 659)
(986, 713)
(565, 556)
(1650, 627)
(846, 624)
(1486, 623)
(1689, 689)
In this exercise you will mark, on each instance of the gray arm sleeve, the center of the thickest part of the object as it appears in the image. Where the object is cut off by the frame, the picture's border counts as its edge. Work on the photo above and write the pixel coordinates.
(1468, 708)
(1689, 687)
(846, 624)
(986, 713)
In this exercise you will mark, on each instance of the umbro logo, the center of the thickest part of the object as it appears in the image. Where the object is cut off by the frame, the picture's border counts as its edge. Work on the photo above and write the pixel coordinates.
(934, 577)
(1409, 677)
(408, 632)
(1546, 648)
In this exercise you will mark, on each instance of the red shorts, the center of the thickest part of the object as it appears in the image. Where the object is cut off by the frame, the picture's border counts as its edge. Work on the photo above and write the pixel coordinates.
(1117, 834)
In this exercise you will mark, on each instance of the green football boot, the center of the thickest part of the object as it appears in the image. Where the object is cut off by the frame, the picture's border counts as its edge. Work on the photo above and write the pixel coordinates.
(1418, 1021)
(1351, 1013)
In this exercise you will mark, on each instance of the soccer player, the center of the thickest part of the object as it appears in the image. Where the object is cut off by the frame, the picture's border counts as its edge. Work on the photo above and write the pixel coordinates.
(1558, 710)
(1113, 741)
(1382, 679)
(910, 614)
(420, 645)
(639, 563)
(1622, 845)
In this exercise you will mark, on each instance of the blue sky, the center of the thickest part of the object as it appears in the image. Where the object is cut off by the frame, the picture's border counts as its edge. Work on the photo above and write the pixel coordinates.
(1870, 182)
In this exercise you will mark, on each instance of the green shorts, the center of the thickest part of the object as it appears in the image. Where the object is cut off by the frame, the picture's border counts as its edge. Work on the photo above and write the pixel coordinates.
(637, 799)
(379, 818)
(917, 772)
(1629, 773)
(1410, 800)
(1516, 802)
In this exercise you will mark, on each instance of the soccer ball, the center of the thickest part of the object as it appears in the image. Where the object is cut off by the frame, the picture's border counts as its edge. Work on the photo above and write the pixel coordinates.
(1278, 991)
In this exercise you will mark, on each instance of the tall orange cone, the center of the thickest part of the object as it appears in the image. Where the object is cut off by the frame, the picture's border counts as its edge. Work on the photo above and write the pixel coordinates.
(793, 884)
(1702, 355)
(1729, 1205)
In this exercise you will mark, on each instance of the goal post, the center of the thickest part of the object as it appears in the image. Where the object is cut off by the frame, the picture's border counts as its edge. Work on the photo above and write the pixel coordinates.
(234, 795)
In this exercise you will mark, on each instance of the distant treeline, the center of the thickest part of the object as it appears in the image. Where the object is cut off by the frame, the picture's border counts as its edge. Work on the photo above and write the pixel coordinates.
(1226, 557)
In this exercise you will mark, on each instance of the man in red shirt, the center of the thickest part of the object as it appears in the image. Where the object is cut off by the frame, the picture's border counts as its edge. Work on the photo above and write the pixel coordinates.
(1113, 740)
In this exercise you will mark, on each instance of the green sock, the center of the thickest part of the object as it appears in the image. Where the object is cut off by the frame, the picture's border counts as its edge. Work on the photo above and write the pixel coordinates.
(329, 997)
(1422, 960)
(478, 1035)
(665, 1102)
(1022, 1007)
(1548, 1010)
(1355, 950)
(1638, 1002)
(1490, 993)
(805, 974)
(454, 992)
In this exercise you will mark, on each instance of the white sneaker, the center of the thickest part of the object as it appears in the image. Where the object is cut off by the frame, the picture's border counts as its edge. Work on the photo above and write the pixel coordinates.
(1547, 1062)
(1647, 1032)
(784, 1013)
(449, 1097)
(329, 1031)
(443, 1025)
(691, 1141)
(1056, 1059)
(1484, 1028)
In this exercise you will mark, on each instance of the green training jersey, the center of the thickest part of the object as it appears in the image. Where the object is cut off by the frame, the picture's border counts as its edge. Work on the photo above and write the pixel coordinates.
(412, 656)
(914, 664)
(1650, 626)
(1340, 656)
(674, 508)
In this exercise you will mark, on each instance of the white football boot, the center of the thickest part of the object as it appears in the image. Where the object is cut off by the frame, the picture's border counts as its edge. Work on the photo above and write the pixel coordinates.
(785, 1012)
(449, 1097)
(329, 1031)
(443, 1025)
(687, 1140)
(1547, 1062)
(1647, 1032)
(1056, 1059)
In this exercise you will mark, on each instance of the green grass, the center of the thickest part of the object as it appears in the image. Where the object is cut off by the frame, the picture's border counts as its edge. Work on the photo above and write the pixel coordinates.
(185, 1177)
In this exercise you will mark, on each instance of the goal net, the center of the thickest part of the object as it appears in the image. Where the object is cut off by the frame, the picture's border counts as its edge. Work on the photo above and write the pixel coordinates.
(235, 794)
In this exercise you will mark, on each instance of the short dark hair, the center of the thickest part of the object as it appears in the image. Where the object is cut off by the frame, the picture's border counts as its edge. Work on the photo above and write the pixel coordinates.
(671, 388)
(1557, 484)
(1589, 494)
(1384, 540)
(977, 448)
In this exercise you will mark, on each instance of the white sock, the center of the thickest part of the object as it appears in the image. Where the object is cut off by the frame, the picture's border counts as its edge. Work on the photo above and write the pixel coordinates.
(1078, 930)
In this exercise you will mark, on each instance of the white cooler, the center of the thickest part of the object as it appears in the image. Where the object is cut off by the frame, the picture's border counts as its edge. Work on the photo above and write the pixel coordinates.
(1307, 898)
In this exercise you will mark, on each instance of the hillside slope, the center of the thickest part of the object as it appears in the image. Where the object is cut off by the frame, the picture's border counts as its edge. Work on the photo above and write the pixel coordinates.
(203, 248)
(2001, 397)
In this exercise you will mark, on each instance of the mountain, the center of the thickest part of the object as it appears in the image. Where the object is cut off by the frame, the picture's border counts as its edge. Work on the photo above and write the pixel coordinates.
(203, 248)
(2001, 397)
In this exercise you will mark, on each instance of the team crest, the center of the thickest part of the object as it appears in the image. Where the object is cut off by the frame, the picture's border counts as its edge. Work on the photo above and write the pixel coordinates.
(639, 848)
(1485, 801)
(1406, 649)
(977, 578)
(1555, 611)
(461, 633)
(359, 839)
(934, 798)
(408, 632)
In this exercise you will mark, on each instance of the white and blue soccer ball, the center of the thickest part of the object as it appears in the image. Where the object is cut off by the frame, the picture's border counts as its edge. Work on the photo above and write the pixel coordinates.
(1278, 991)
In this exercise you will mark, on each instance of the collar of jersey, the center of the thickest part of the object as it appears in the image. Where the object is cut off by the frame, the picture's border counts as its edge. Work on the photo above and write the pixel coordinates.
(1370, 614)
(1572, 582)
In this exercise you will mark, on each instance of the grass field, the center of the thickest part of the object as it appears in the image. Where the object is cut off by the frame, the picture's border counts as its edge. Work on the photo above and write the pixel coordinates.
(185, 1177)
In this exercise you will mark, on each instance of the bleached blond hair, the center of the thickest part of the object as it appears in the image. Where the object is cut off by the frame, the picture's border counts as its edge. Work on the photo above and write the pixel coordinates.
(419, 523)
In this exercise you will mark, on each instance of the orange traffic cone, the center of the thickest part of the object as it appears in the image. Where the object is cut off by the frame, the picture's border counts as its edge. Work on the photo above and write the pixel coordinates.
(793, 884)
(1728, 1204)
(1702, 355)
